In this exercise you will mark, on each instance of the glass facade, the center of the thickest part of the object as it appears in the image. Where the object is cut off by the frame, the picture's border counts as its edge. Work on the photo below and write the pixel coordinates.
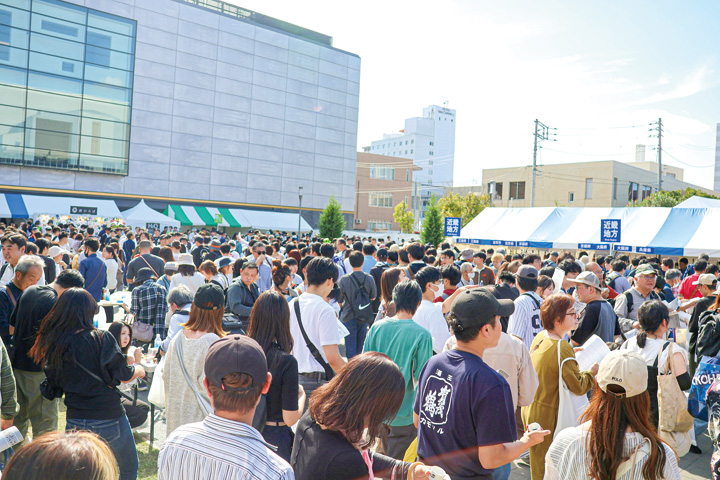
(66, 76)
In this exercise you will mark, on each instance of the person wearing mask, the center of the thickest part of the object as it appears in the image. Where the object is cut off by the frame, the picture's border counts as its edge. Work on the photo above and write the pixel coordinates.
(224, 444)
(410, 346)
(13, 247)
(559, 318)
(185, 395)
(144, 260)
(525, 322)
(673, 279)
(179, 301)
(598, 317)
(320, 325)
(650, 344)
(187, 274)
(617, 439)
(333, 438)
(628, 304)
(430, 315)
(78, 455)
(243, 292)
(451, 279)
(270, 327)
(33, 306)
(87, 365)
(27, 271)
(463, 408)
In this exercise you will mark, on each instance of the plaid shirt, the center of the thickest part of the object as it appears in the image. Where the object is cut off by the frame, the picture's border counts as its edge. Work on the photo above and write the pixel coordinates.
(149, 305)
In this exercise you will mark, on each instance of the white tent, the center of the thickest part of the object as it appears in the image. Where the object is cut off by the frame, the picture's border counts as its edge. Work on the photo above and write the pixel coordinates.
(699, 202)
(145, 217)
(92, 207)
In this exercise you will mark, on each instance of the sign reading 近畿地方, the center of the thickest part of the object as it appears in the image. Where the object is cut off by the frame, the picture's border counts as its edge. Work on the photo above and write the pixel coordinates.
(610, 230)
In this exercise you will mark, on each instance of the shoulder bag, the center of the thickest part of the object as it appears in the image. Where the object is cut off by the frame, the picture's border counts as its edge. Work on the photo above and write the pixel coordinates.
(329, 373)
(204, 404)
(674, 421)
(156, 394)
(571, 406)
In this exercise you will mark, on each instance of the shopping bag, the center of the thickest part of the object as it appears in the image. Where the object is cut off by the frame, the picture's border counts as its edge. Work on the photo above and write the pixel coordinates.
(707, 371)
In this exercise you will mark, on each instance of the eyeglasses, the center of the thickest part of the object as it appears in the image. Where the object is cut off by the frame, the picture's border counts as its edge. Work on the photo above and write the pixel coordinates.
(571, 314)
(260, 252)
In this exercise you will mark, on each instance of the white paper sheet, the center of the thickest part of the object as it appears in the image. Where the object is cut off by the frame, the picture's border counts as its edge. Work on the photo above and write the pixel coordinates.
(672, 306)
(594, 350)
(558, 277)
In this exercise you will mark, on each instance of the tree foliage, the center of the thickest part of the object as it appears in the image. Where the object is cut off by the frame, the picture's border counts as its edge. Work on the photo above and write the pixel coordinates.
(332, 222)
(670, 198)
(403, 216)
(467, 207)
(433, 230)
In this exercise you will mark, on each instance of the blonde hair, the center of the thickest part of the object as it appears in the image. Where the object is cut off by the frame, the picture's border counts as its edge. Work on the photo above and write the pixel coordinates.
(497, 256)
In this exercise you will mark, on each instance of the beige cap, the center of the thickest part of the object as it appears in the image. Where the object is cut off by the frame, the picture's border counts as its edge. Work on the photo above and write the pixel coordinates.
(625, 369)
(587, 278)
(705, 279)
(54, 251)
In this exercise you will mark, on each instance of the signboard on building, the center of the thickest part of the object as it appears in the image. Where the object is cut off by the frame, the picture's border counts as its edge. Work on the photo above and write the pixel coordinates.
(83, 210)
(452, 226)
(610, 230)
(218, 219)
(152, 226)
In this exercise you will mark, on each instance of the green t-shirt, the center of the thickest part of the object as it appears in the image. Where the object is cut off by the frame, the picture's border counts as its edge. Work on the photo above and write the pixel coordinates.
(410, 346)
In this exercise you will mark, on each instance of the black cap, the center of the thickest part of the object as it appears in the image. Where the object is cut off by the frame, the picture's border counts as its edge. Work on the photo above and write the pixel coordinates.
(235, 354)
(144, 274)
(477, 306)
(209, 297)
(382, 253)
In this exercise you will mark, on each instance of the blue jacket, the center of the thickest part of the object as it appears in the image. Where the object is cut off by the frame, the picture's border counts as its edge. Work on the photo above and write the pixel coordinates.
(95, 273)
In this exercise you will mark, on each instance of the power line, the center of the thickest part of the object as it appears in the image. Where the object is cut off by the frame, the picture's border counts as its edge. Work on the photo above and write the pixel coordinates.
(586, 154)
(684, 163)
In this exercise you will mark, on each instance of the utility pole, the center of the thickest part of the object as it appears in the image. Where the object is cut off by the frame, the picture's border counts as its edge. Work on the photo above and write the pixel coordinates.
(659, 131)
(299, 211)
(542, 132)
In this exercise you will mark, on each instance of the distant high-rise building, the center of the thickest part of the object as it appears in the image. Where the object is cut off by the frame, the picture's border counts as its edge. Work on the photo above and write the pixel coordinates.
(716, 184)
(429, 142)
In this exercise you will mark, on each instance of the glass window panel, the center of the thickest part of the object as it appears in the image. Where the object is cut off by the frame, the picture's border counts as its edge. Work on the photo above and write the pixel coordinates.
(22, 4)
(14, 57)
(111, 23)
(109, 58)
(47, 120)
(58, 28)
(56, 65)
(103, 146)
(102, 128)
(56, 46)
(111, 40)
(14, 17)
(62, 10)
(14, 116)
(103, 164)
(50, 158)
(52, 83)
(107, 92)
(105, 111)
(13, 37)
(50, 143)
(13, 96)
(11, 135)
(108, 76)
(12, 76)
(53, 103)
(10, 154)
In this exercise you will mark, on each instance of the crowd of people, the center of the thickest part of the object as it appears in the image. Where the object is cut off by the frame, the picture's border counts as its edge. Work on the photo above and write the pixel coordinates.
(288, 356)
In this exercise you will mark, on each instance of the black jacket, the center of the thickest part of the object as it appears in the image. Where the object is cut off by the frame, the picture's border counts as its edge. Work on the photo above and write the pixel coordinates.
(376, 273)
(240, 299)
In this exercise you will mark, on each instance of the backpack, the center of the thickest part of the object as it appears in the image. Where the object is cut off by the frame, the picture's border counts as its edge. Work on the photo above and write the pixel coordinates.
(708, 339)
(630, 301)
(611, 279)
(361, 303)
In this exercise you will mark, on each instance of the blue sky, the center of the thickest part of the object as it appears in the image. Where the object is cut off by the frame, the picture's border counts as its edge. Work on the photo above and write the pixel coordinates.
(585, 68)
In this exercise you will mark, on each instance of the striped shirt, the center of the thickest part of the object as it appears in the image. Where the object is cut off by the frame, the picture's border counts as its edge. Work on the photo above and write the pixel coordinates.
(219, 449)
(525, 322)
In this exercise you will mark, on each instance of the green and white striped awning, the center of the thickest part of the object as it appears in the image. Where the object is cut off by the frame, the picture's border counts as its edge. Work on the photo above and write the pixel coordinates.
(198, 216)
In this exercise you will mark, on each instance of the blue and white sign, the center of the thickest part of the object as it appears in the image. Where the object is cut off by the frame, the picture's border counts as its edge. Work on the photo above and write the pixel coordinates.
(610, 230)
(593, 246)
(645, 250)
(623, 248)
(452, 226)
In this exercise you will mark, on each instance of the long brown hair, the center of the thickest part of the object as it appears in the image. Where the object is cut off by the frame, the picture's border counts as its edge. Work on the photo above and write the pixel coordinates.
(270, 324)
(388, 280)
(611, 416)
(366, 393)
(201, 320)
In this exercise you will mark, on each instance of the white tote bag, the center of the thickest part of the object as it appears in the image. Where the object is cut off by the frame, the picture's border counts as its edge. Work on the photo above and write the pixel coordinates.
(156, 394)
(571, 406)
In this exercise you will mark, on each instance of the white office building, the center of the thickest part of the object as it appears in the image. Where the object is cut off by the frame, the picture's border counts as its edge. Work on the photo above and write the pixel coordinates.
(429, 141)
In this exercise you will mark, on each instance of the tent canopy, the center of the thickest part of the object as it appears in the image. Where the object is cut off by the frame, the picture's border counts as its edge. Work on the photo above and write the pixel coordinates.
(660, 231)
(141, 216)
(235, 218)
(260, 220)
(38, 204)
(699, 202)
(189, 216)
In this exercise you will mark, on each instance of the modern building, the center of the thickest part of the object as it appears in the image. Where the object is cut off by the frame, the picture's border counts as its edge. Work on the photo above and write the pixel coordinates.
(192, 102)
(429, 141)
(382, 182)
(588, 184)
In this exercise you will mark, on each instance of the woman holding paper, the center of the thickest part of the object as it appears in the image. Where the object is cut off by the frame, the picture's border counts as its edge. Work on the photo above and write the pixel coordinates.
(559, 317)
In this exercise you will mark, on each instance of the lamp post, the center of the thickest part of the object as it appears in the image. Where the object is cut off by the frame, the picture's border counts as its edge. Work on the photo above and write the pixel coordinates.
(299, 210)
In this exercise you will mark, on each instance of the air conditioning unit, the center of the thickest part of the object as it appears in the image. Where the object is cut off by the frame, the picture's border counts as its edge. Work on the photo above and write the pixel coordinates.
(358, 221)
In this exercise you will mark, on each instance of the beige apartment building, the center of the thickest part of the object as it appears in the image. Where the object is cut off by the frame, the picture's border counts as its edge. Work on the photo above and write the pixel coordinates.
(587, 184)
(381, 183)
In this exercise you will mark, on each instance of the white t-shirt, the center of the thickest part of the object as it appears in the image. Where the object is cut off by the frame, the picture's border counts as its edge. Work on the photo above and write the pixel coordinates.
(112, 268)
(651, 349)
(429, 316)
(193, 283)
(320, 323)
(525, 322)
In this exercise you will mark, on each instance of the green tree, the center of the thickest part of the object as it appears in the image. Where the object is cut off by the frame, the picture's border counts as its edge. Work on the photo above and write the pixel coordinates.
(432, 230)
(467, 207)
(670, 198)
(332, 222)
(404, 217)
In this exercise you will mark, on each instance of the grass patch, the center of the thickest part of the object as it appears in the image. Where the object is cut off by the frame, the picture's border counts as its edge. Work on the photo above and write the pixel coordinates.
(148, 460)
